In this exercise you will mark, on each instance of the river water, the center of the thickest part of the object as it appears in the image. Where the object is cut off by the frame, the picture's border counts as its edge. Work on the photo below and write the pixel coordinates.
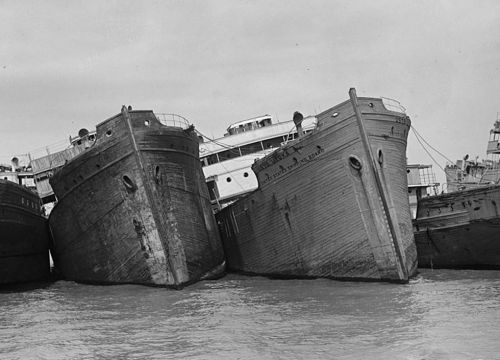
(441, 314)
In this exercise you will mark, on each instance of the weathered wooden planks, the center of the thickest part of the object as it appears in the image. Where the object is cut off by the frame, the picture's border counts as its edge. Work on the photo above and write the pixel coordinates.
(24, 237)
(134, 207)
(318, 211)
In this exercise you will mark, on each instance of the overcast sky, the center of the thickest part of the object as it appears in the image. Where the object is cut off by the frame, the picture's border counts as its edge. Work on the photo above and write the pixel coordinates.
(66, 65)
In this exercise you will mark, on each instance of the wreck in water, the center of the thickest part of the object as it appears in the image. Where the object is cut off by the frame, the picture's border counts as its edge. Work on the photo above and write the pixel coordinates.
(460, 229)
(24, 236)
(332, 203)
(134, 208)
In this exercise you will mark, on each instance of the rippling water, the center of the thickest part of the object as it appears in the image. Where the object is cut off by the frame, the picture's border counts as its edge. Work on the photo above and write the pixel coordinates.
(439, 315)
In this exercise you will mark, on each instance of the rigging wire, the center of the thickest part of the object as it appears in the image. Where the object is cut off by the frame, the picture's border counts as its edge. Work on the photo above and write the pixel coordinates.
(437, 151)
(232, 148)
(420, 139)
(221, 144)
(41, 151)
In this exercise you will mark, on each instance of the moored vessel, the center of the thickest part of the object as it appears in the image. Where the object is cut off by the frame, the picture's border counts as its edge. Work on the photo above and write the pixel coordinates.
(332, 203)
(133, 207)
(459, 229)
(24, 236)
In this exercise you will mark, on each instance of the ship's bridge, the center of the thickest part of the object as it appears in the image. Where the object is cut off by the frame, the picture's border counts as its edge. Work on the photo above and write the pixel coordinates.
(494, 143)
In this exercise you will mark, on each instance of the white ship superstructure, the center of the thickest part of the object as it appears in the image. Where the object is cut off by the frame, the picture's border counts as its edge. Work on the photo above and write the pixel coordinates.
(227, 160)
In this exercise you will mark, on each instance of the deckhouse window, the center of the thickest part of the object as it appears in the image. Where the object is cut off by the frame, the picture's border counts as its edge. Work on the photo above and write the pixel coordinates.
(274, 142)
(212, 159)
(251, 148)
(229, 154)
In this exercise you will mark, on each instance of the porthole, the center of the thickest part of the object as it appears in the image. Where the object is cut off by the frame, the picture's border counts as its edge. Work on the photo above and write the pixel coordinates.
(355, 162)
(245, 174)
(108, 133)
(129, 183)
(370, 105)
(146, 122)
(380, 157)
(157, 174)
(228, 179)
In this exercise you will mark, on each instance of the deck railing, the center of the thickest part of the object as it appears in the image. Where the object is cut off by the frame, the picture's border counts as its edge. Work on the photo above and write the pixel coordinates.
(173, 120)
(393, 105)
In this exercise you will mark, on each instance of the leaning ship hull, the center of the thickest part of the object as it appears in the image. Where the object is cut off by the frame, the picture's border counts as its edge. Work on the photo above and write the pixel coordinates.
(320, 211)
(24, 236)
(134, 208)
(459, 230)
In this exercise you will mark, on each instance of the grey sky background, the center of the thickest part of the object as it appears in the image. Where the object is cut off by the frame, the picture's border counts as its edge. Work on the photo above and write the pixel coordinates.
(66, 65)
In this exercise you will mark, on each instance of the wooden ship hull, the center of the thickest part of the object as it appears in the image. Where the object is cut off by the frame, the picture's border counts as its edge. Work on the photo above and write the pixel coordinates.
(24, 236)
(134, 207)
(333, 203)
(459, 229)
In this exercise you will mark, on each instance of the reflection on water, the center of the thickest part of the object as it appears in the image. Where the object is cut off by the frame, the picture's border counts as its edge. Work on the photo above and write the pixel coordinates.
(439, 315)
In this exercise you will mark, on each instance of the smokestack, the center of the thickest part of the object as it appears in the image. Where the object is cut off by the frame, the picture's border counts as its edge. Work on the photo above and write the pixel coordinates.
(84, 137)
(14, 163)
(297, 120)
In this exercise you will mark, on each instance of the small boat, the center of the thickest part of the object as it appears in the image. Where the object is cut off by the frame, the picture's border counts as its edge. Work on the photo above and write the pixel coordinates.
(24, 236)
(459, 229)
(133, 207)
(332, 203)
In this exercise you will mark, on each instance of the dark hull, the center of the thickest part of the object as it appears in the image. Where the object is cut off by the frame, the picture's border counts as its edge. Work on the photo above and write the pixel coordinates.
(460, 230)
(24, 237)
(316, 215)
(134, 208)
(475, 245)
